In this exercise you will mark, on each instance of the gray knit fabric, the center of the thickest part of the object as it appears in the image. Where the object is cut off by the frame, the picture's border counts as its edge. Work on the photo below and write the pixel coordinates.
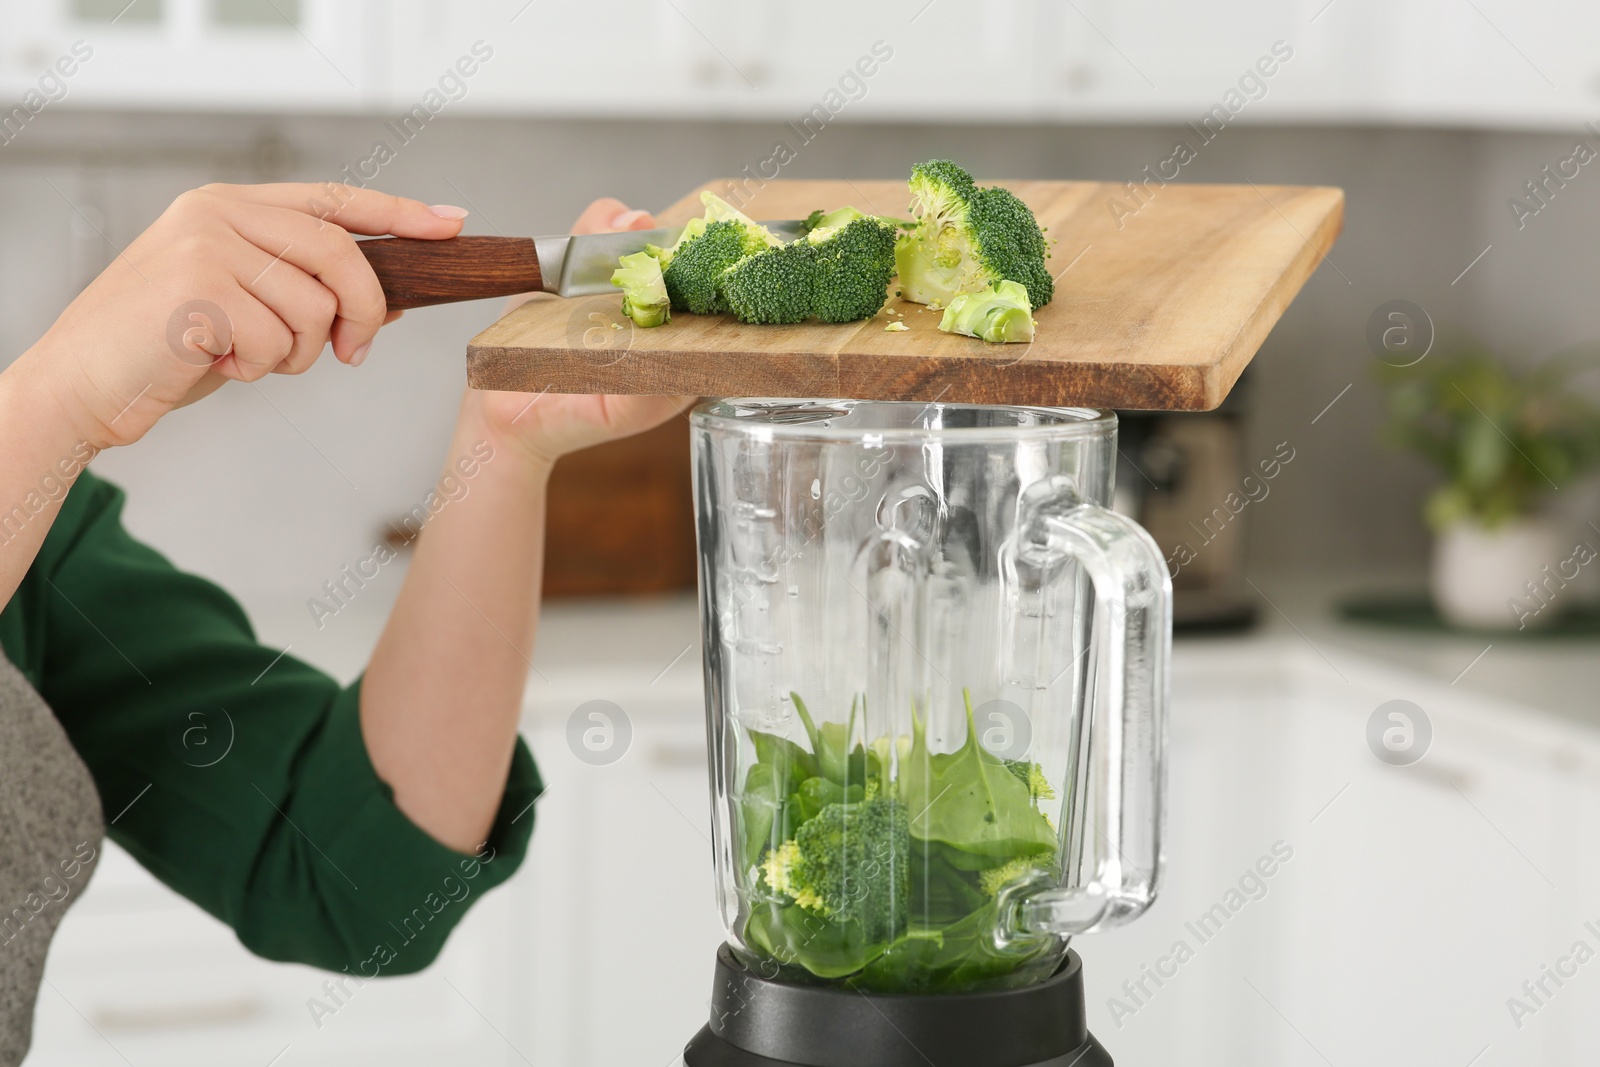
(50, 836)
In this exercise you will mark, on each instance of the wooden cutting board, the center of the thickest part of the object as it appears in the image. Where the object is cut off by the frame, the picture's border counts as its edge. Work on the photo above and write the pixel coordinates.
(1160, 303)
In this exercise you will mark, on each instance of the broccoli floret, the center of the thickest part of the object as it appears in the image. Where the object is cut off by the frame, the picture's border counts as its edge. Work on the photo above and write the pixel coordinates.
(772, 286)
(837, 274)
(719, 210)
(707, 247)
(644, 293)
(854, 264)
(691, 230)
(697, 265)
(997, 314)
(968, 238)
(851, 864)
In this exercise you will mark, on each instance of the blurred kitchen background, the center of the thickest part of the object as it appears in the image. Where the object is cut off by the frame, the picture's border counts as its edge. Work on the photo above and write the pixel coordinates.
(1433, 115)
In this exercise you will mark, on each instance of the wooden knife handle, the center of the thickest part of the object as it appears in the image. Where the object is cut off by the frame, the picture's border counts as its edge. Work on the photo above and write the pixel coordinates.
(417, 273)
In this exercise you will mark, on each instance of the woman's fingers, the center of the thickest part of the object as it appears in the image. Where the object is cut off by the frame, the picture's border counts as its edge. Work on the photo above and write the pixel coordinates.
(261, 339)
(328, 254)
(628, 415)
(301, 302)
(597, 217)
(634, 220)
(364, 211)
(608, 215)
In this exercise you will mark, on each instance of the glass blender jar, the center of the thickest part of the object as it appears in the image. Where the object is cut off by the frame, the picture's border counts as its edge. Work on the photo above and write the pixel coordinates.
(936, 675)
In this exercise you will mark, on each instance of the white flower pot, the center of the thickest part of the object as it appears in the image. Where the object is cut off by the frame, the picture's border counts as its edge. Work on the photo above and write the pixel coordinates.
(1481, 577)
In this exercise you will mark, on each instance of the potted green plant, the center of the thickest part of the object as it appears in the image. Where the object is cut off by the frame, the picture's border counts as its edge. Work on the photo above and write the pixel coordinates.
(1506, 443)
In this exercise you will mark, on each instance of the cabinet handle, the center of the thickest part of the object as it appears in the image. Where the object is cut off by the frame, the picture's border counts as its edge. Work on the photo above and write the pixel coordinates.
(178, 1016)
(677, 756)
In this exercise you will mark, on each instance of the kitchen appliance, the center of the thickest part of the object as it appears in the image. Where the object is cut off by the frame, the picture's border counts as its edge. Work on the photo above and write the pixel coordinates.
(937, 676)
(1184, 477)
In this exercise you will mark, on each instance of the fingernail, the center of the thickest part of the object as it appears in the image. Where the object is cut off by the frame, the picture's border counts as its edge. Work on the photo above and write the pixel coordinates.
(360, 354)
(627, 219)
(449, 211)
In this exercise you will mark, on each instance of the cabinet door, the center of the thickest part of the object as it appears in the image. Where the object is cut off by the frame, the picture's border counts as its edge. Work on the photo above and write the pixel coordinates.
(949, 60)
(138, 974)
(196, 55)
(616, 920)
(1160, 59)
(1425, 895)
(598, 57)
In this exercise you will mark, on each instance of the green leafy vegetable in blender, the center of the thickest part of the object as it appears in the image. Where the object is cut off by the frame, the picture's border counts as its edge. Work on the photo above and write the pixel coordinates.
(998, 314)
(644, 293)
(850, 863)
(882, 864)
(968, 238)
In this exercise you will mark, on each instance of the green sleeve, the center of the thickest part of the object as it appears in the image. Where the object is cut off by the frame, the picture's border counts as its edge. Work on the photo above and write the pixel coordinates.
(238, 777)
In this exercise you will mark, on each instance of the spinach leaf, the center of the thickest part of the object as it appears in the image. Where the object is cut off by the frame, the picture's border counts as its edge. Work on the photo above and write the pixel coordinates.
(791, 934)
(760, 803)
(830, 745)
(969, 800)
(947, 959)
(784, 753)
(815, 794)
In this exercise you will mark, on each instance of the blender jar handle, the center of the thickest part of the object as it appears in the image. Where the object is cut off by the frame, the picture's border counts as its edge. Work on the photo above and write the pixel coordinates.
(1121, 820)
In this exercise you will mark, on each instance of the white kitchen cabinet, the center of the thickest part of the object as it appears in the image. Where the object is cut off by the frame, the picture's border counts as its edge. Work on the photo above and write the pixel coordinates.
(606, 56)
(197, 55)
(1417, 900)
(1488, 63)
(137, 974)
(618, 901)
(599, 951)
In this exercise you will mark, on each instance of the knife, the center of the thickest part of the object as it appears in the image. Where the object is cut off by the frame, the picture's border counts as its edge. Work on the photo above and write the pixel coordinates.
(418, 273)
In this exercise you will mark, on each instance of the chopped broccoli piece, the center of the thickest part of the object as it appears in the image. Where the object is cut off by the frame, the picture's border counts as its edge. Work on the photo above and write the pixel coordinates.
(850, 863)
(1031, 775)
(831, 220)
(691, 230)
(707, 247)
(644, 293)
(773, 286)
(854, 264)
(968, 238)
(994, 879)
(837, 274)
(719, 210)
(997, 314)
(697, 265)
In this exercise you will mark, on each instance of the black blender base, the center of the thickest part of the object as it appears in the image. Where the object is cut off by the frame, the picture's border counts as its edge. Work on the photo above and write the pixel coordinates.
(709, 1050)
(758, 1022)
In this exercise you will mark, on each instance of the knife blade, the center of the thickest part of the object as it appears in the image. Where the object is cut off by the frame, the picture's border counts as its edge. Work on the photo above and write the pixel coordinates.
(419, 273)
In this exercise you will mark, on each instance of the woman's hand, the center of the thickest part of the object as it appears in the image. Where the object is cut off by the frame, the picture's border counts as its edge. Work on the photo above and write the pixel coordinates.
(231, 282)
(546, 426)
(443, 694)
